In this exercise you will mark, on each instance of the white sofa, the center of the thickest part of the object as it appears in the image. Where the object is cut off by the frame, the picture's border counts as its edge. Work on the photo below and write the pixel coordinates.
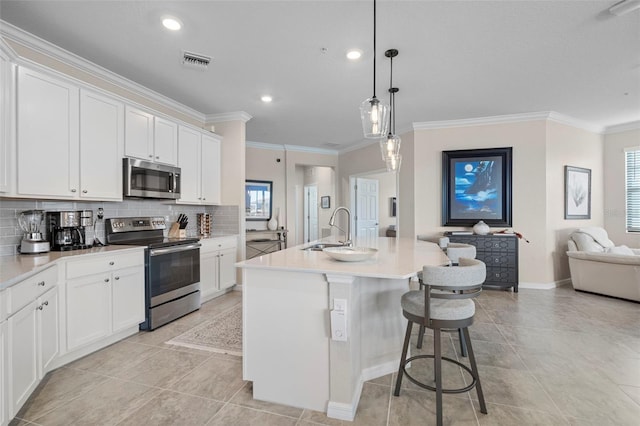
(598, 266)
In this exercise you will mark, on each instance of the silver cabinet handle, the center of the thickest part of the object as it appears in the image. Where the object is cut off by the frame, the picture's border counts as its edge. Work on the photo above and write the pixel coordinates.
(40, 308)
(111, 263)
(41, 283)
(116, 278)
(46, 303)
(150, 155)
(84, 191)
(106, 280)
(157, 157)
(73, 190)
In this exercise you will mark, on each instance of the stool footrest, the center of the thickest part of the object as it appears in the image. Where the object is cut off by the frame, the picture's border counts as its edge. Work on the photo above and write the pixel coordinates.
(432, 388)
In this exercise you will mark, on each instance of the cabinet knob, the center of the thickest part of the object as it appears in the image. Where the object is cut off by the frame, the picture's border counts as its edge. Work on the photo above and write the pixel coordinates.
(111, 263)
(157, 157)
(116, 278)
(46, 303)
(150, 156)
(40, 308)
(203, 198)
(73, 190)
(41, 283)
(84, 191)
(106, 280)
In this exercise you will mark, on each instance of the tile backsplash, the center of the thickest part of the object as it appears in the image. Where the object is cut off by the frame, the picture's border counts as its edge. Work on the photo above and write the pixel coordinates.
(225, 218)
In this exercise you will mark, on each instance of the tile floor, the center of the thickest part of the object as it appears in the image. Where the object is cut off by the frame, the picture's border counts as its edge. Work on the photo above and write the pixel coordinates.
(546, 357)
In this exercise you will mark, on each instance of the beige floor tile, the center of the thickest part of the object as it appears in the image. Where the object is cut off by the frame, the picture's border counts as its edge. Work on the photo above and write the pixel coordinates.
(633, 392)
(386, 380)
(485, 331)
(502, 415)
(235, 415)
(115, 358)
(160, 335)
(496, 355)
(18, 422)
(310, 417)
(216, 378)
(164, 368)
(419, 408)
(373, 405)
(106, 404)
(172, 408)
(245, 398)
(57, 388)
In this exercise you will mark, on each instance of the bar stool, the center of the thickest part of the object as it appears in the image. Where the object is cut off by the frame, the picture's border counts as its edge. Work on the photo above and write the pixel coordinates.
(454, 252)
(444, 303)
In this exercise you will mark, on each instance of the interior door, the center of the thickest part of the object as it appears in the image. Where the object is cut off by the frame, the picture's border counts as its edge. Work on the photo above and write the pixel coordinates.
(310, 213)
(366, 216)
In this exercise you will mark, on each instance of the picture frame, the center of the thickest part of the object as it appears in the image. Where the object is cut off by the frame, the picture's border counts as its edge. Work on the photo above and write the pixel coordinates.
(477, 185)
(577, 193)
(325, 202)
(258, 199)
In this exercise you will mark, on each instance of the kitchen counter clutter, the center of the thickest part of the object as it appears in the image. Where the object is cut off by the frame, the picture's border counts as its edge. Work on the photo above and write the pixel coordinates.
(308, 318)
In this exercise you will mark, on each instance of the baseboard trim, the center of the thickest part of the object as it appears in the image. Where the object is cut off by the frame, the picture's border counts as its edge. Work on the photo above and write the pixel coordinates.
(544, 286)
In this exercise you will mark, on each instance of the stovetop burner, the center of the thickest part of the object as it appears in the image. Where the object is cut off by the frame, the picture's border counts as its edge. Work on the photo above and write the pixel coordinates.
(141, 231)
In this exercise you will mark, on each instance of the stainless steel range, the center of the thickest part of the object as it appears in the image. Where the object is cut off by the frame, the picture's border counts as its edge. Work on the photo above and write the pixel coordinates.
(172, 267)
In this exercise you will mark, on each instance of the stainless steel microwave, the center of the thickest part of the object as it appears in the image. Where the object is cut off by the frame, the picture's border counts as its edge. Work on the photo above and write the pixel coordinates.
(143, 179)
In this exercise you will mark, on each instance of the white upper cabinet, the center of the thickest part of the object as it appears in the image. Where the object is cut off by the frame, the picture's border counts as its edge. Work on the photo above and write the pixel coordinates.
(47, 136)
(199, 162)
(211, 169)
(6, 123)
(101, 146)
(165, 146)
(150, 138)
(138, 134)
(189, 153)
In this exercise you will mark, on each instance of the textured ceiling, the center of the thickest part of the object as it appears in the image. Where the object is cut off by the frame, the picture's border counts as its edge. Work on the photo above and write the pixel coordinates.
(458, 59)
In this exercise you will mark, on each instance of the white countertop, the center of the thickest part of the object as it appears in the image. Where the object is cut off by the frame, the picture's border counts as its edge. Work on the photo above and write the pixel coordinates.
(16, 268)
(397, 258)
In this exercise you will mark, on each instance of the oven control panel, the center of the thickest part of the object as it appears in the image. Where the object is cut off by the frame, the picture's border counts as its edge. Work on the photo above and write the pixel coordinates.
(128, 224)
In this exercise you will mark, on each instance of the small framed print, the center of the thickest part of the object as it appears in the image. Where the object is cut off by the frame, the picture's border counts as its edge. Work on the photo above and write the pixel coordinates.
(325, 202)
(577, 193)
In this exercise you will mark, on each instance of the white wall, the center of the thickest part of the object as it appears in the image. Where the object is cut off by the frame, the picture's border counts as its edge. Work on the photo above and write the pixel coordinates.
(263, 164)
(614, 182)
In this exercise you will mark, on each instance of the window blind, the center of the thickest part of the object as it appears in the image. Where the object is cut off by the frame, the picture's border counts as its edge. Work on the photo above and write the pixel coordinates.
(632, 163)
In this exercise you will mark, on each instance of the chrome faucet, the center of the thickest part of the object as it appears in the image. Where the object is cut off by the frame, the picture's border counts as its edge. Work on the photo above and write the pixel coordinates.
(332, 221)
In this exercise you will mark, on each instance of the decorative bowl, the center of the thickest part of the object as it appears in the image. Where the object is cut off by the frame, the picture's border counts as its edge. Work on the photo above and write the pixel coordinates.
(350, 254)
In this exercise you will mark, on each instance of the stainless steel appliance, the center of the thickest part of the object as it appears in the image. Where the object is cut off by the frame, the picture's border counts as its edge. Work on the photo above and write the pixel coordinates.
(143, 179)
(172, 267)
(33, 242)
(66, 229)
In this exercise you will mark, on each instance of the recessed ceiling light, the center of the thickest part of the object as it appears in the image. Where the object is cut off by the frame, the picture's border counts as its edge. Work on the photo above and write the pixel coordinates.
(171, 23)
(354, 54)
(266, 99)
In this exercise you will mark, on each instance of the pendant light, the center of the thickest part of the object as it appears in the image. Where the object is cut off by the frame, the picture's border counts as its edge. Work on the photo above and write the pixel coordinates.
(373, 111)
(390, 146)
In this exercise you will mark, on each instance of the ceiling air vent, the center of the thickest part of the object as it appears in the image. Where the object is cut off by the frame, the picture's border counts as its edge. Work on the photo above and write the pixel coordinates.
(195, 60)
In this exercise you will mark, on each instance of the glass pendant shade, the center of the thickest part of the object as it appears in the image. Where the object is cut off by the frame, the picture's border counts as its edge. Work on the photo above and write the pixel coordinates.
(375, 118)
(393, 163)
(390, 146)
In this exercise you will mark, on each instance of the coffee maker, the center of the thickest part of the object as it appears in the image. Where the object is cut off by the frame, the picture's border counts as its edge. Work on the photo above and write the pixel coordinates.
(66, 229)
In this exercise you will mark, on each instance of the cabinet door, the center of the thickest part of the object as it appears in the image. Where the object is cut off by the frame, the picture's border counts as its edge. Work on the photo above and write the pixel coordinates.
(165, 145)
(189, 163)
(4, 415)
(101, 147)
(127, 291)
(23, 358)
(227, 269)
(210, 170)
(6, 124)
(47, 134)
(138, 137)
(208, 273)
(48, 330)
(88, 309)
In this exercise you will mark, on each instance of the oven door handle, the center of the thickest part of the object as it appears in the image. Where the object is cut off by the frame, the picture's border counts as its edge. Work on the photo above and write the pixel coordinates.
(169, 250)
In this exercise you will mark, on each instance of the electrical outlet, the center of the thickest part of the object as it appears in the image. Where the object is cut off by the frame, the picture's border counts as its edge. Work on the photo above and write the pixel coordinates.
(100, 214)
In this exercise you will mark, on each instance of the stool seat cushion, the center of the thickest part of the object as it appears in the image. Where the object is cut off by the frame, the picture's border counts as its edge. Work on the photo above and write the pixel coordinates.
(440, 309)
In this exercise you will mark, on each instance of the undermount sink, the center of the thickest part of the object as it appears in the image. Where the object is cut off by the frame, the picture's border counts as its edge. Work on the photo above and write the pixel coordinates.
(322, 246)
(350, 254)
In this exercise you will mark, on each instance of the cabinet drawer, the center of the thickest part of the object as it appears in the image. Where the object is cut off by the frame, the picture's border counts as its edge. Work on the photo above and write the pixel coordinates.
(215, 244)
(28, 290)
(103, 263)
(501, 275)
(497, 243)
(498, 259)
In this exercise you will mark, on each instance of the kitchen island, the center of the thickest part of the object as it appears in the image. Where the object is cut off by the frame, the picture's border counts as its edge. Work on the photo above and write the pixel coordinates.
(289, 352)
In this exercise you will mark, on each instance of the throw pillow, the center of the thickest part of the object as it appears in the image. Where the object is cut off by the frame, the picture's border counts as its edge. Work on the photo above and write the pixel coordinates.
(619, 250)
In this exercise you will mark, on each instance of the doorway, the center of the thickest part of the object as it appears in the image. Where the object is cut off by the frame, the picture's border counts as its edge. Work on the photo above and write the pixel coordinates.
(366, 214)
(363, 203)
(310, 213)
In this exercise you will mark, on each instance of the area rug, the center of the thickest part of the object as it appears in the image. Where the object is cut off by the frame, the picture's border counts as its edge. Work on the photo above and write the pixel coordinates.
(222, 334)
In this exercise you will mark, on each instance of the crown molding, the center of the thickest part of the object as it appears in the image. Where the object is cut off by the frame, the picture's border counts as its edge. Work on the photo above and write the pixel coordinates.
(262, 145)
(618, 128)
(312, 150)
(227, 116)
(359, 145)
(509, 118)
(44, 47)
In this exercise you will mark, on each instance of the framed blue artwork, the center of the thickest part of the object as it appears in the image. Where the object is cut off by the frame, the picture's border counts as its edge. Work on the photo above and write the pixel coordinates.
(476, 185)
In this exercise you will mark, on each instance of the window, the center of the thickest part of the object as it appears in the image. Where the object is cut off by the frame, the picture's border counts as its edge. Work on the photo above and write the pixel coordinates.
(632, 157)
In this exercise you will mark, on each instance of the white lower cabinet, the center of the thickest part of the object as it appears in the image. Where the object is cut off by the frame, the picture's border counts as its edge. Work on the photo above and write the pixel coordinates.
(109, 300)
(4, 414)
(33, 343)
(217, 266)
